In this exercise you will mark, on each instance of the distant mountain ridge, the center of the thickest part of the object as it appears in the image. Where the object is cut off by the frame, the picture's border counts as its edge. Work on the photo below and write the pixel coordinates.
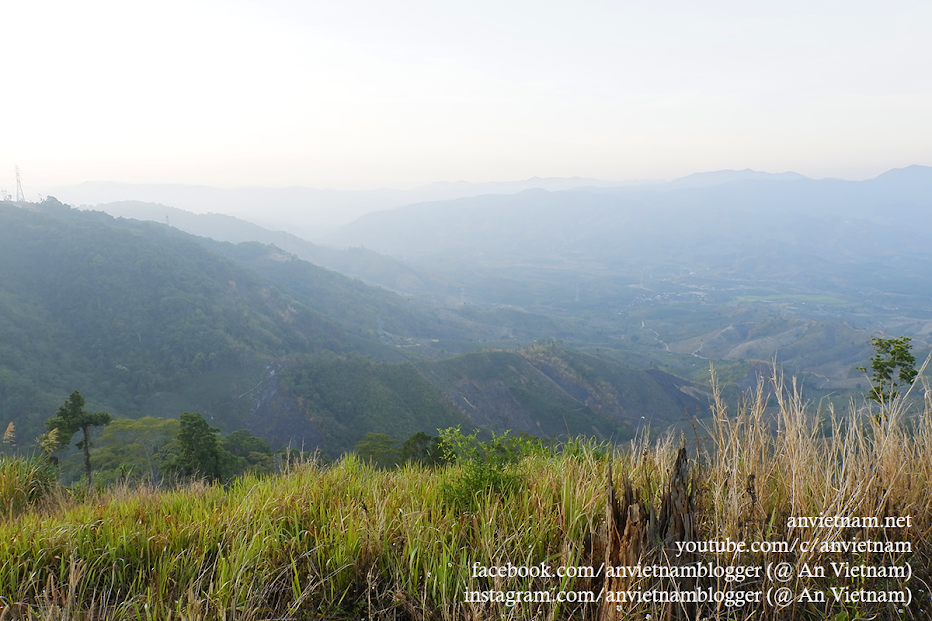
(312, 213)
(636, 221)
(305, 212)
(705, 179)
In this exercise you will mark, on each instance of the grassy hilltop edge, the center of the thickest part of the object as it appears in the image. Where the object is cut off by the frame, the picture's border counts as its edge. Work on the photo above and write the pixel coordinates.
(347, 541)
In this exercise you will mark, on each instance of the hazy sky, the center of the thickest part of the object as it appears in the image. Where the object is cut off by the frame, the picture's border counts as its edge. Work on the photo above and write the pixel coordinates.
(358, 93)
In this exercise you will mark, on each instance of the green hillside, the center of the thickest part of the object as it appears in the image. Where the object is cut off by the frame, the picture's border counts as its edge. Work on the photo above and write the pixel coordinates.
(332, 401)
(356, 306)
(136, 316)
(552, 391)
(146, 320)
(345, 398)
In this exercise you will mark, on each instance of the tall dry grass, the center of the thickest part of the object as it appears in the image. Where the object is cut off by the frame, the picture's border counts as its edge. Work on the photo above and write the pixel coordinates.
(806, 461)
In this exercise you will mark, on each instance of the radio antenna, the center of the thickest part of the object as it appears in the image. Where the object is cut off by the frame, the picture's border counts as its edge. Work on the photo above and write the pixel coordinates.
(20, 197)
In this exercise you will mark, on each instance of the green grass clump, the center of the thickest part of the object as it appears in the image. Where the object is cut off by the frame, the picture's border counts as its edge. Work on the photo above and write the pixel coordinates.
(23, 482)
(332, 541)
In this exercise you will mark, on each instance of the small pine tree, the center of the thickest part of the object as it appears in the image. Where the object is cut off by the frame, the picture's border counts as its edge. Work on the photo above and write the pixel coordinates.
(71, 418)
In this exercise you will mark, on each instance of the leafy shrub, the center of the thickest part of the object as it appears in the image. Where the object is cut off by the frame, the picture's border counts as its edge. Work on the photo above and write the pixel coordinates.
(484, 467)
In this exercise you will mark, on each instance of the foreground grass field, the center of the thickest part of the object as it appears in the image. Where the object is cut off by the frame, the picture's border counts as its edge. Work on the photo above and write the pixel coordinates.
(347, 541)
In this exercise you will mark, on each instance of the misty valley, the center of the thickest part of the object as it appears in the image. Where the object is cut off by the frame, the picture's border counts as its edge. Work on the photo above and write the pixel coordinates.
(591, 311)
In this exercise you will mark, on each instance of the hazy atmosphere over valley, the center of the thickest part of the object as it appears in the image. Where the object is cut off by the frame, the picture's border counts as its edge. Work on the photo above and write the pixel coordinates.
(339, 310)
(596, 190)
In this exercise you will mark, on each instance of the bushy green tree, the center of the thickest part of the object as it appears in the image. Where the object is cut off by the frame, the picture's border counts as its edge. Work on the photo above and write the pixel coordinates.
(200, 452)
(893, 361)
(423, 449)
(135, 448)
(71, 418)
(378, 449)
(255, 453)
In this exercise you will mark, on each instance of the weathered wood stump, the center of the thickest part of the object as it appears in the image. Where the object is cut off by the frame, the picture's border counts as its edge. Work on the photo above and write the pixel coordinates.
(634, 536)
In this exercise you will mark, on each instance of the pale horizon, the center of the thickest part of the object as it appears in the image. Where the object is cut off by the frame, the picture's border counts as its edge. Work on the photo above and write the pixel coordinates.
(11, 185)
(363, 95)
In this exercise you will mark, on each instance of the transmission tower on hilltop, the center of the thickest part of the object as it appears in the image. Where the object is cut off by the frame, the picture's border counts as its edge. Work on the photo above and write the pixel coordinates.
(20, 197)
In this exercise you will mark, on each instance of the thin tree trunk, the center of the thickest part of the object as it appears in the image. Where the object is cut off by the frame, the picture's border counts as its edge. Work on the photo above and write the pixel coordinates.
(87, 455)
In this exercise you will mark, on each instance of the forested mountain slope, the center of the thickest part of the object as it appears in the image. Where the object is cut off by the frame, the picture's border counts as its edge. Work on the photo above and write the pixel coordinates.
(546, 390)
(147, 320)
(131, 314)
